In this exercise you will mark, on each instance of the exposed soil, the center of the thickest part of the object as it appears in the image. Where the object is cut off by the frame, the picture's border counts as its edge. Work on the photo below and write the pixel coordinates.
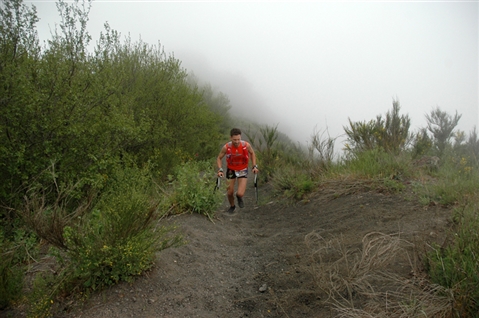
(257, 263)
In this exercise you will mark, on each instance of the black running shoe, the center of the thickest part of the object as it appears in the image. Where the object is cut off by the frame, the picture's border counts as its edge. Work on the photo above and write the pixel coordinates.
(231, 210)
(240, 202)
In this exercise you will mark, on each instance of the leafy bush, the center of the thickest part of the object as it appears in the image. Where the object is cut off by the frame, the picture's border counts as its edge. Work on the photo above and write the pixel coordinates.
(193, 189)
(119, 238)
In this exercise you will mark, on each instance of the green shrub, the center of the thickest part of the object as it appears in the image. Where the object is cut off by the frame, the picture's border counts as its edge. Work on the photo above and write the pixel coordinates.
(441, 125)
(457, 265)
(293, 183)
(40, 298)
(390, 133)
(11, 275)
(193, 189)
(15, 253)
(457, 180)
(421, 144)
(393, 185)
(120, 237)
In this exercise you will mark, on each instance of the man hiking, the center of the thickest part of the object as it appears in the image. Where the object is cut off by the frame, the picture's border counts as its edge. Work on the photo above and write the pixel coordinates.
(238, 153)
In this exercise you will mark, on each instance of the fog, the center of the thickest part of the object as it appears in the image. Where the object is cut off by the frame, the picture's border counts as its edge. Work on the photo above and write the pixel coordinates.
(311, 65)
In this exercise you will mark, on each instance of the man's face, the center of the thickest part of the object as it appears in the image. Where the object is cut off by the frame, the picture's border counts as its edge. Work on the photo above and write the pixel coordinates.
(236, 140)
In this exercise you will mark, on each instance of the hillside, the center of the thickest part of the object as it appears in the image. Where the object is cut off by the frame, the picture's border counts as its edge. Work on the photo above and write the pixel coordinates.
(269, 260)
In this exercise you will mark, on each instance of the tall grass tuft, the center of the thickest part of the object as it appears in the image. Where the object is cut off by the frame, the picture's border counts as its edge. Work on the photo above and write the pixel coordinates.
(456, 266)
(376, 163)
(293, 183)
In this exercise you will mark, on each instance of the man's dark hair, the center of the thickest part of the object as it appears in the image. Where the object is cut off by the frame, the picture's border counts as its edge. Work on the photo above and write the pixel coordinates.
(235, 131)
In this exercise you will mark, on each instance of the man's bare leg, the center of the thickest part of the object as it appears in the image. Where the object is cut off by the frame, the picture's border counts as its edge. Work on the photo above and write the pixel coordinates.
(230, 192)
(241, 187)
(241, 190)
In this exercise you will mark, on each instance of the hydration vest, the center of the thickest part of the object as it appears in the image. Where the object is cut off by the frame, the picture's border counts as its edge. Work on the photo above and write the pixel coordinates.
(237, 158)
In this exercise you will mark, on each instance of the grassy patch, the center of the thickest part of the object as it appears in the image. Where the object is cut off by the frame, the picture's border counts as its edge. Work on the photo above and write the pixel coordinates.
(456, 266)
(293, 183)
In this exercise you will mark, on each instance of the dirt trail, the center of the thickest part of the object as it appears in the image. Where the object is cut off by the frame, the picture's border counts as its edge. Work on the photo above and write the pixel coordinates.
(256, 263)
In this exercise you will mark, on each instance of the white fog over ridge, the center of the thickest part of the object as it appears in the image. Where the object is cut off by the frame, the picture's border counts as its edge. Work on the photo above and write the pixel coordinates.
(312, 65)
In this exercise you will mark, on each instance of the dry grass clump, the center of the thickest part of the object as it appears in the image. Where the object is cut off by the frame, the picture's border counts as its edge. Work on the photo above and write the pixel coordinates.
(347, 184)
(361, 282)
(48, 220)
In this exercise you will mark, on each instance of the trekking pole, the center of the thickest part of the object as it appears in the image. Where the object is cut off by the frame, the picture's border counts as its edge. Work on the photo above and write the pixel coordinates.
(217, 185)
(256, 186)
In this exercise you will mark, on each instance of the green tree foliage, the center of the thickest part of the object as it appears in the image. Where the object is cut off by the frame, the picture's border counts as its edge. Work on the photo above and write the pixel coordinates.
(84, 112)
(170, 121)
(217, 102)
(19, 54)
(390, 133)
(441, 125)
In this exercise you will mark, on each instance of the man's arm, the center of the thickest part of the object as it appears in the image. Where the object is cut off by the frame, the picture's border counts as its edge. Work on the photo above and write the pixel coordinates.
(219, 161)
(253, 157)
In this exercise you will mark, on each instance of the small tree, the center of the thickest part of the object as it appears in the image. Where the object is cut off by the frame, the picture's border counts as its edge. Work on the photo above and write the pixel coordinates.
(390, 133)
(394, 132)
(441, 126)
(473, 145)
(362, 136)
(421, 143)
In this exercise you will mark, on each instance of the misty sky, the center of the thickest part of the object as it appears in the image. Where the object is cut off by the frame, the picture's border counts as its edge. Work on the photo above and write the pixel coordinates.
(307, 65)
